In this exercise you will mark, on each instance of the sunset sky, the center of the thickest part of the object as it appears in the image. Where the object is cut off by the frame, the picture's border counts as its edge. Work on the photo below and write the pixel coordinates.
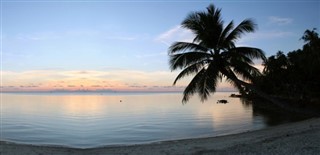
(122, 45)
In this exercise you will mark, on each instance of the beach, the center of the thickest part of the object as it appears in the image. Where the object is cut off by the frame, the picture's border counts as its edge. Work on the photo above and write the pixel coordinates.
(292, 138)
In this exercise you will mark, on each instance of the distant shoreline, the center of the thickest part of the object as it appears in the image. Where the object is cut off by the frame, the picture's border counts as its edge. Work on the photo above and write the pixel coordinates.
(101, 92)
(106, 91)
(292, 138)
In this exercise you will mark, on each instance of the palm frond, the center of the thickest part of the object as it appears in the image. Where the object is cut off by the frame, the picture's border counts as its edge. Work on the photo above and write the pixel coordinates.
(208, 83)
(233, 56)
(185, 59)
(205, 82)
(192, 22)
(253, 53)
(183, 46)
(231, 78)
(223, 36)
(192, 86)
(245, 26)
(215, 13)
(213, 27)
(205, 26)
(246, 71)
(247, 53)
(192, 69)
(242, 65)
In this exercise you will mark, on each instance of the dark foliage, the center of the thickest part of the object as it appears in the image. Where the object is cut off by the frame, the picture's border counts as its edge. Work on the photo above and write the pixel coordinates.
(297, 74)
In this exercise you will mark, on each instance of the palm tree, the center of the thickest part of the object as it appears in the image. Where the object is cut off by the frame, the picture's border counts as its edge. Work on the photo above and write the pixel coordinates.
(310, 37)
(213, 55)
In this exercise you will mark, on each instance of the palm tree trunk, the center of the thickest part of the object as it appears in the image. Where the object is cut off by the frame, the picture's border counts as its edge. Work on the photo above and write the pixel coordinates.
(266, 96)
(274, 100)
(258, 92)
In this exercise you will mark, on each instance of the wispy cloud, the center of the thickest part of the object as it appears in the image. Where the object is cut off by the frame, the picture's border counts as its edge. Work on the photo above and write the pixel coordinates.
(176, 33)
(265, 35)
(280, 20)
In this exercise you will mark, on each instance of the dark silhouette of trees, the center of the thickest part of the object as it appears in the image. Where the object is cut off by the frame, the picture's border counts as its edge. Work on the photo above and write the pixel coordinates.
(213, 55)
(275, 68)
(297, 74)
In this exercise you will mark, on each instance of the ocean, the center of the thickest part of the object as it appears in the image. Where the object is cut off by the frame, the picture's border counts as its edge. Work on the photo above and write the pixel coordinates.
(87, 120)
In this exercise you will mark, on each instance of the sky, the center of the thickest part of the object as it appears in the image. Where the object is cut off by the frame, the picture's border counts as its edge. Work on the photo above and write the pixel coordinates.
(122, 45)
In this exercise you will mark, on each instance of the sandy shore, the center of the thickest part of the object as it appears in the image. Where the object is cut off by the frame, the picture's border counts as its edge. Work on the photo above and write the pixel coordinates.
(294, 138)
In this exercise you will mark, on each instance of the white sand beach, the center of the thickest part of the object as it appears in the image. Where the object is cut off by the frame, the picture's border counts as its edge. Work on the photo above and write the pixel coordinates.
(293, 138)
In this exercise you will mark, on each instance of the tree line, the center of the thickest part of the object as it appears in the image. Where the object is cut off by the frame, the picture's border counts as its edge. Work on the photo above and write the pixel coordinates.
(294, 75)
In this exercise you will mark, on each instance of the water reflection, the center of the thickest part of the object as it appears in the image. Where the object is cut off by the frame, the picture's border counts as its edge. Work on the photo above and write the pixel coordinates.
(81, 120)
(271, 115)
(80, 105)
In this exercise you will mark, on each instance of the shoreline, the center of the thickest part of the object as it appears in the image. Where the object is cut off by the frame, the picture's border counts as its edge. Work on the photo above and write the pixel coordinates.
(293, 138)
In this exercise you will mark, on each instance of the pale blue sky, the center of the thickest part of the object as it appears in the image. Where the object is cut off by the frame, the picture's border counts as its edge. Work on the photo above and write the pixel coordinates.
(132, 35)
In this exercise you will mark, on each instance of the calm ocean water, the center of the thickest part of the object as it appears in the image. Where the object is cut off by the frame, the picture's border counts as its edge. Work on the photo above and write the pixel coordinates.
(91, 120)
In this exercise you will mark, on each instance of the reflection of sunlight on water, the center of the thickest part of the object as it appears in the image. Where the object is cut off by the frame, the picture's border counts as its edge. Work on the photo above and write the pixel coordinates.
(96, 119)
(228, 114)
(223, 115)
(83, 105)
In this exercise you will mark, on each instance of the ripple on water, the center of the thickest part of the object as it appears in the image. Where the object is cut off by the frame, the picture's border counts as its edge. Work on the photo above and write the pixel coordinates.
(97, 120)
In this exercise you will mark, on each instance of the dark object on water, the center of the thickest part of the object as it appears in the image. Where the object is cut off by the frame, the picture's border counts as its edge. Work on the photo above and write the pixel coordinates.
(235, 95)
(222, 101)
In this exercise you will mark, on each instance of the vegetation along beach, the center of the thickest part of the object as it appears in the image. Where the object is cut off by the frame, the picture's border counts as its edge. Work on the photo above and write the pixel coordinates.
(160, 77)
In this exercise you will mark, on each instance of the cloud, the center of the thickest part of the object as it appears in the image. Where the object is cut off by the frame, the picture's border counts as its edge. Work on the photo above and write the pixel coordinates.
(176, 33)
(28, 86)
(265, 35)
(82, 73)
(280, 20)
(138, 86)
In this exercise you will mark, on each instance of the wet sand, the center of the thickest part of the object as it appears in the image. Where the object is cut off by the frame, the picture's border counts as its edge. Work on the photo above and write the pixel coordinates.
(293, 138)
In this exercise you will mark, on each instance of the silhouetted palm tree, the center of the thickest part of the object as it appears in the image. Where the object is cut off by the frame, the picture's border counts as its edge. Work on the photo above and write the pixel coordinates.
(310, 36)
(213, 55)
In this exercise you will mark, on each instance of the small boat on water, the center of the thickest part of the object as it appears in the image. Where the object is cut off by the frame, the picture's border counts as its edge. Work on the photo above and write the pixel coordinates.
(222, 101)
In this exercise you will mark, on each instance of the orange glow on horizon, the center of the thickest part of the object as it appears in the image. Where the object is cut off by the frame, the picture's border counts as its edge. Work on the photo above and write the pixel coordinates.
(93, 81)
